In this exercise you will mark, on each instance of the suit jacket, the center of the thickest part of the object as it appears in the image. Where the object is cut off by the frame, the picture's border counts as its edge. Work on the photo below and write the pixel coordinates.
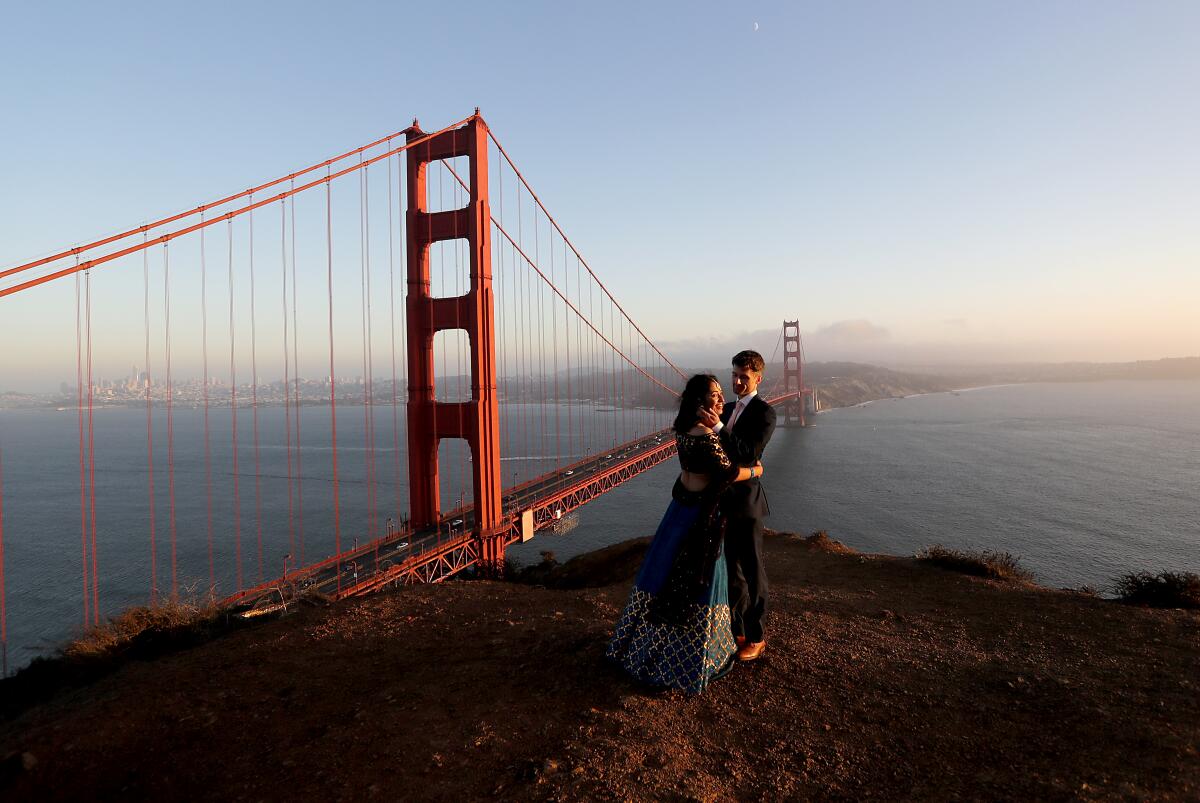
(745, 444)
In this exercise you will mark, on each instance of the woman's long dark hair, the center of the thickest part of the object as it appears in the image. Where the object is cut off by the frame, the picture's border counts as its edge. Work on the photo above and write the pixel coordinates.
(695, 395)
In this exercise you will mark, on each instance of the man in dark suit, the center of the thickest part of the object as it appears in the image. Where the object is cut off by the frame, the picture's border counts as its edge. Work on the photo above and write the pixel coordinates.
(745, 428)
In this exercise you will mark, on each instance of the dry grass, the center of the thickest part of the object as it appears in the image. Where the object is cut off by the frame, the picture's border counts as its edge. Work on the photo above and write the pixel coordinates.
(166, 621)
(995, 565)
(142, 632)
(1162, 590)
(821, 540)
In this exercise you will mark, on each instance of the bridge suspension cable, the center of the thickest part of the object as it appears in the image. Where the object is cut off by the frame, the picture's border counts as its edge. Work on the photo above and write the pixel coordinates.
(249, 207)
(3, 589)
(202, 208)
(532, 262)
(584, 396)
(149, 433)
(578, 256)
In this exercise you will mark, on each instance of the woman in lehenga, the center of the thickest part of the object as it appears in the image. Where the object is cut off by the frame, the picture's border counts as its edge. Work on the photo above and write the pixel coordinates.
(675, 630)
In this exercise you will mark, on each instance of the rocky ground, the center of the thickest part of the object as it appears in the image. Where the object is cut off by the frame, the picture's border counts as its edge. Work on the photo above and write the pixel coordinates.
(884, 678)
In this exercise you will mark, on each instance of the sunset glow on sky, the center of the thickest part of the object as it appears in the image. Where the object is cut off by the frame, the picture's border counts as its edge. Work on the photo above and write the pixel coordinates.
(915, 182)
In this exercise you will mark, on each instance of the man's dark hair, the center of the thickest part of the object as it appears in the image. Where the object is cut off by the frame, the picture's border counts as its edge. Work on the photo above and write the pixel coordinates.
(750, 360)
(695, 394)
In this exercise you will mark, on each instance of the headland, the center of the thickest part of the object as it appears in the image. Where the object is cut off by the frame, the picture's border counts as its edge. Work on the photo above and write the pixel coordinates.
(885, 678)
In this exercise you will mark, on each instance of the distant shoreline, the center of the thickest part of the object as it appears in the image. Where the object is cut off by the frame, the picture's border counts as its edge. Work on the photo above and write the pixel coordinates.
(837, 384)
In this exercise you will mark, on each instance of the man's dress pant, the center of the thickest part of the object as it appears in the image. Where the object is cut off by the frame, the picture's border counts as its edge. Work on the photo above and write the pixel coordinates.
(747, 576)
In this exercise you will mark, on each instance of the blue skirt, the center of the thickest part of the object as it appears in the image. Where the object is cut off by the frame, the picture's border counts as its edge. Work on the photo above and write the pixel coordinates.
(689, 651)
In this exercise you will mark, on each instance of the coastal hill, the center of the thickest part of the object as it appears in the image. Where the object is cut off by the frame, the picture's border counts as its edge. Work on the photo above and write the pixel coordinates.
(845, 384)
(840, 384)
(885, 678)
(972, 375)
(1169, 368)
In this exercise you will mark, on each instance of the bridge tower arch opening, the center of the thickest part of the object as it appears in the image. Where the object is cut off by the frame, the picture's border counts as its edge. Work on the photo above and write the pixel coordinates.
(475, 420)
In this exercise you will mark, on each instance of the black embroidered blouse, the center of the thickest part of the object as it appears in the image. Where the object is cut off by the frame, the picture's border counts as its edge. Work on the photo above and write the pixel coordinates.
(702, 454)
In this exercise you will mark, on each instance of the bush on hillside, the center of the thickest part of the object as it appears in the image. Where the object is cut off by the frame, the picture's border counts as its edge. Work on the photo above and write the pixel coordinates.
(151, 627)
(996, 565)
(143, 632)
(1162, 590)
(821, 541)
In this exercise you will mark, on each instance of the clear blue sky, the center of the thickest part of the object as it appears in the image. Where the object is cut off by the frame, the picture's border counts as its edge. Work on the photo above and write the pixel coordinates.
(915, 182)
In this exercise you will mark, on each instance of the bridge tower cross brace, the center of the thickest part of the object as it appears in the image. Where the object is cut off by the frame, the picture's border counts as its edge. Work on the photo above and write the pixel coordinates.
(793, 375)
(477, 420)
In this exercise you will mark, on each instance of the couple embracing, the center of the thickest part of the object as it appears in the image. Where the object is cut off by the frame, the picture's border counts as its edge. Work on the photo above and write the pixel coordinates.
(700, 598)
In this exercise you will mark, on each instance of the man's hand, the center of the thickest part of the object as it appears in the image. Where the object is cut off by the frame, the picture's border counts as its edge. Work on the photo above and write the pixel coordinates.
(709, 418)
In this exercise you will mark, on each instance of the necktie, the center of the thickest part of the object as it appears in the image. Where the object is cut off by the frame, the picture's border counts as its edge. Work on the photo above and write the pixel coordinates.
(737, 411)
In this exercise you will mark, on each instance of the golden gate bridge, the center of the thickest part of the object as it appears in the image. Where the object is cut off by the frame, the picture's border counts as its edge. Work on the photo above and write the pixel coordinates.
(424, 261)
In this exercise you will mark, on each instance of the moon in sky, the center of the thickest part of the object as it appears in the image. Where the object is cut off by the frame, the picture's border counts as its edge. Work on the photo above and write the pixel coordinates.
(756, 26)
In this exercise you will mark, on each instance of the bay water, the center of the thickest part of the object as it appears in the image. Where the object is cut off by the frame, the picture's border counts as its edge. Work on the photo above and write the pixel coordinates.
(1082, 481)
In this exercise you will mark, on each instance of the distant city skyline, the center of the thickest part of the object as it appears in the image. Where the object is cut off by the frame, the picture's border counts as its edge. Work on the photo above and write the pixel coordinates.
(917, 183)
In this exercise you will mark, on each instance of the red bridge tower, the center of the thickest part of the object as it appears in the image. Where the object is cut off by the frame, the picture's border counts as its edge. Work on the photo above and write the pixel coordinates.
(793, 375)
(476, 420)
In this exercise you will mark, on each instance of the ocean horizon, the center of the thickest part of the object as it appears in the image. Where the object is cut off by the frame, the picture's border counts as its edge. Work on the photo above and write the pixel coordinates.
(1081, 481)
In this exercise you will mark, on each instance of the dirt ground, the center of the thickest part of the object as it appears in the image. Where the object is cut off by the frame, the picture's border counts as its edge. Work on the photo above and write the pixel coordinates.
(883, 679)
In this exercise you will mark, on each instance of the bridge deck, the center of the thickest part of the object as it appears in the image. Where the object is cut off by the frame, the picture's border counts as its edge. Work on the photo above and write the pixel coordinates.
(433, 554)
(436, 553)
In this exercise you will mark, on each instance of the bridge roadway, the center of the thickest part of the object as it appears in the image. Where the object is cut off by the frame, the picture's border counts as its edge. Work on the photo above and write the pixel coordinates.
(434, 553)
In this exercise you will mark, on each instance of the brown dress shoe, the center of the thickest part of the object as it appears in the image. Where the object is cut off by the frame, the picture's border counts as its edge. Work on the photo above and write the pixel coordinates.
(751, 650)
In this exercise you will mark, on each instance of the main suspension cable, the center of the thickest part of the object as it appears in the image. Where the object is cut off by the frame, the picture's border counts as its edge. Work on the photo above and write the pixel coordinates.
(205, 207)
(533, 264)
(230, 215)
(553, 222)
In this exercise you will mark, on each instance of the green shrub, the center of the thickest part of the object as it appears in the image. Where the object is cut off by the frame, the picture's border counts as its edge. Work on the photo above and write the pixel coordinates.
(996, 565)
(1162, 590)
